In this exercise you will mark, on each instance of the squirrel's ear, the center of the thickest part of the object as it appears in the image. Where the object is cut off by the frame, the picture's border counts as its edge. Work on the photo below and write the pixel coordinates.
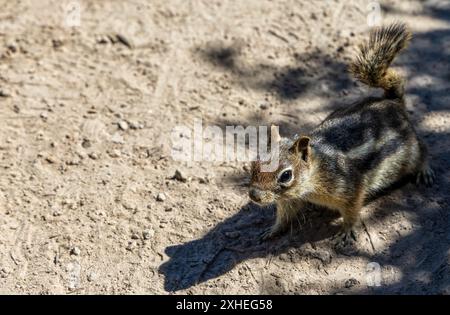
(301, 146)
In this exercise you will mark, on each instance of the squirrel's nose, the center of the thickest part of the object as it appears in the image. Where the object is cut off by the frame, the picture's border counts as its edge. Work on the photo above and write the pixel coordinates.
(255, 194)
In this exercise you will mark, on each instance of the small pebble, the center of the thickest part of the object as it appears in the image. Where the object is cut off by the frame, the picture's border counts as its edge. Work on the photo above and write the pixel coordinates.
(92, 276)
(123, 125)
(148, 234)
(73, 162)
(51, 159)
(180, 176)
(86, 143)
(135, 236)
(161, 197)
(93, 155)
(75, 251)
(124, 40)
(4, 272)
(135, 125)
(3, 93)
(102, 40)
(114, 153)
(131, 245)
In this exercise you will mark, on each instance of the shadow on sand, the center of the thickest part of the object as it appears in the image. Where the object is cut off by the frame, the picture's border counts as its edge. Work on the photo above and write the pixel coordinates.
(422, 256)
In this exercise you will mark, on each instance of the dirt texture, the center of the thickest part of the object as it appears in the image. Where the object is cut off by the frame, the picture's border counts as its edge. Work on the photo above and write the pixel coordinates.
(88, 199)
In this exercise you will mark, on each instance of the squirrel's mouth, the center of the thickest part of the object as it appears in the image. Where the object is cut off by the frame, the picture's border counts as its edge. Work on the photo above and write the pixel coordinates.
(261, 197)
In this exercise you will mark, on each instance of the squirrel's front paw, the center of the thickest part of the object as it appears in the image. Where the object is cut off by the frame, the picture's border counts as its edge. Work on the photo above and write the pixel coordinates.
(345, 241)
(269, 233)
(426, 176)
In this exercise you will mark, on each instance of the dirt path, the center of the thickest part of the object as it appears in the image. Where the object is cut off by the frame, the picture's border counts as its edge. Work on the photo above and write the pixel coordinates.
(87, 113)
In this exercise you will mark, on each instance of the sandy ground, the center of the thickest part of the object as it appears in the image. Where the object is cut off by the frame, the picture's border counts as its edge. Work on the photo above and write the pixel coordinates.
(87, 113)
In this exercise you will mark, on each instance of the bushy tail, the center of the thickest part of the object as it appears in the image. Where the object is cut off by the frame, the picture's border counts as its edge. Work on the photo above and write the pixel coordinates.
(375, 56)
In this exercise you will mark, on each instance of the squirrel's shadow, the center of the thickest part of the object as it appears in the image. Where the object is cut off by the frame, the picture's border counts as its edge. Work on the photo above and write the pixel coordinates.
(237, 239)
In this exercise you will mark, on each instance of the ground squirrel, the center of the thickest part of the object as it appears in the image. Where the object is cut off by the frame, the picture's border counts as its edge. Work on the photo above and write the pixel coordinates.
(355, 152)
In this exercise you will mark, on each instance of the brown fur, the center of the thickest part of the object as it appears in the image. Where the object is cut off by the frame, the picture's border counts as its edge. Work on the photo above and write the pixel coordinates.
(376, 55)
(355, 152)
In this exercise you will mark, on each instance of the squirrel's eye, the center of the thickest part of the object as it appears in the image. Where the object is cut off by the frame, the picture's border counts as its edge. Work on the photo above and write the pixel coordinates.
(285, 177)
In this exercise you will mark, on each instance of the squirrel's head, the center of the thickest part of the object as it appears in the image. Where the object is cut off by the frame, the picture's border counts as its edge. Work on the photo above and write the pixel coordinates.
(286, 181)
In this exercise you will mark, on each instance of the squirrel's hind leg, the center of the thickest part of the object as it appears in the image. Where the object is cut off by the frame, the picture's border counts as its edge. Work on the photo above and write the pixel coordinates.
(425, 176)
(425, 173)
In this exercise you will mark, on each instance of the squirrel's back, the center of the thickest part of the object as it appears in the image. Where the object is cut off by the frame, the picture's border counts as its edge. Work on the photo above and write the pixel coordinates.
(373, 137)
